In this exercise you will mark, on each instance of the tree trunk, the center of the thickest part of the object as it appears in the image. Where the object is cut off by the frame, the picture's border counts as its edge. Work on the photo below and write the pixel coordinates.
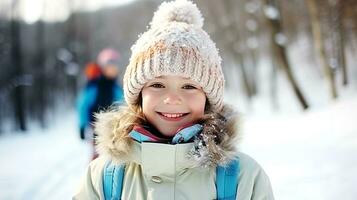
(229, 45)
(341, 41)
(280, 54)
(252, 51)
(40, 84)
(320, 47)
(16, 58)
(237, 55)
(273, 83)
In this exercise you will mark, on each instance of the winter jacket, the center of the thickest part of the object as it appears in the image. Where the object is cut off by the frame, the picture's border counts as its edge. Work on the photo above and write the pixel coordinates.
(157, 171)
(98, 94)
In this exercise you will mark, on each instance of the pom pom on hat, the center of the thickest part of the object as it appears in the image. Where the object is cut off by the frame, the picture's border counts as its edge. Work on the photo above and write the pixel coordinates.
(179, 11)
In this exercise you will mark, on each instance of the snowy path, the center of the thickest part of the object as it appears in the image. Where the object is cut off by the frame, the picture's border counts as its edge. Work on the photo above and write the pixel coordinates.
(42, 165)
(310, 156)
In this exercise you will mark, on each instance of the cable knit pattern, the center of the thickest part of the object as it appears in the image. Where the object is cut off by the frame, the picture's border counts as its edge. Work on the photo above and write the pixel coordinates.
(176, 44)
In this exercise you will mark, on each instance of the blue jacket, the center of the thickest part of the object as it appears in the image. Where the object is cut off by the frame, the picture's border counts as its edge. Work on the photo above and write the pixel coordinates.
(97, 95)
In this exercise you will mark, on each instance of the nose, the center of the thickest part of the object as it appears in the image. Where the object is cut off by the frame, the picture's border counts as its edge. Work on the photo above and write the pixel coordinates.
(172, 99)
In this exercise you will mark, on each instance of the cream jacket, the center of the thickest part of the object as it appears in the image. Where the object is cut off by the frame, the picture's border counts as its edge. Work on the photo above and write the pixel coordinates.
(157, 171)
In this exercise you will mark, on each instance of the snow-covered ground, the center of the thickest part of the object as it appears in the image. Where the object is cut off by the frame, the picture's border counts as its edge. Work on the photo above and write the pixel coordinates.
(310, 156)
(42, 164)
(307, 156)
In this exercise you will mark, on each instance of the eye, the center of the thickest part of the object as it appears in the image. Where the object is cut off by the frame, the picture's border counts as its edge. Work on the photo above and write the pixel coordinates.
(189, 87)
(157, 85)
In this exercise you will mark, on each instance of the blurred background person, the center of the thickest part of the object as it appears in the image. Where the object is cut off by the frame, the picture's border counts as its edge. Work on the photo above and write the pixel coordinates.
(92, 73)
(100, 92)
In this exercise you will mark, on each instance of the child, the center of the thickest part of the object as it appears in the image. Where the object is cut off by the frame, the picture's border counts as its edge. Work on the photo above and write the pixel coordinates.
(100, 92)
(175, 131)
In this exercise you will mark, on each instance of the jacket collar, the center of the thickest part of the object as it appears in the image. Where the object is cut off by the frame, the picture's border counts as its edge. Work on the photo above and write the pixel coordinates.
(183, 135)
(215, 145)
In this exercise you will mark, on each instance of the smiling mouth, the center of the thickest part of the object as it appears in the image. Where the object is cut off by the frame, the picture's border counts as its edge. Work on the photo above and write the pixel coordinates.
(172, 116)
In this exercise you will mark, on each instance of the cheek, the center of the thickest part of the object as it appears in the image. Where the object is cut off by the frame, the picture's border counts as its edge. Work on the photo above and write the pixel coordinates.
(149, 100)
(197, 105)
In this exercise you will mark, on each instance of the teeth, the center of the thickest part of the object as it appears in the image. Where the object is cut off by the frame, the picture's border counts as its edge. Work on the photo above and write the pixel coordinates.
(172, 115)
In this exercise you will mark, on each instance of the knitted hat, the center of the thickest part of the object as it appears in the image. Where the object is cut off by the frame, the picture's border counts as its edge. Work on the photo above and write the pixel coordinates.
(175, 44)
(107, 56)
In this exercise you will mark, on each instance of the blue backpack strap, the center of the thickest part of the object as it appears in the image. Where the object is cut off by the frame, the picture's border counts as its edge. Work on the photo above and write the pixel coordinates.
(113, 176)
(227, 180)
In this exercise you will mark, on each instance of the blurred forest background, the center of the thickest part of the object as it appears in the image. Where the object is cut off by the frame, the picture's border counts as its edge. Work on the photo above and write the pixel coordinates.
(42, 59)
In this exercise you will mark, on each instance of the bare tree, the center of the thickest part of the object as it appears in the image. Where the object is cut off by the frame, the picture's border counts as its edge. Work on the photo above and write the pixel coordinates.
(251, 32)
(238, 44)
(337, 8)
(277, 43)
(16, 56)
(226, 28)
(320, 48)
(40, 58)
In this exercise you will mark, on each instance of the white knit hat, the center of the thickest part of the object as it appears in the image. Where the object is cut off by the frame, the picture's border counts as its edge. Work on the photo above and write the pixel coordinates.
(176, 44)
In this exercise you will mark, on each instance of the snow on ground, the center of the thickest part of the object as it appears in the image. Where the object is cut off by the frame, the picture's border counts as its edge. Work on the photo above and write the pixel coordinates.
(307, 156)
(310, 156)
(43, 164)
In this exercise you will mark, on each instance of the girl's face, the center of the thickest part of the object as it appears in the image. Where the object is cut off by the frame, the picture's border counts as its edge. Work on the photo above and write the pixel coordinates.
(171, 102)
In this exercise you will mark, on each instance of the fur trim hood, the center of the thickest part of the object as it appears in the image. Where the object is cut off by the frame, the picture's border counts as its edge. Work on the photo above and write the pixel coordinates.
(215, 145)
